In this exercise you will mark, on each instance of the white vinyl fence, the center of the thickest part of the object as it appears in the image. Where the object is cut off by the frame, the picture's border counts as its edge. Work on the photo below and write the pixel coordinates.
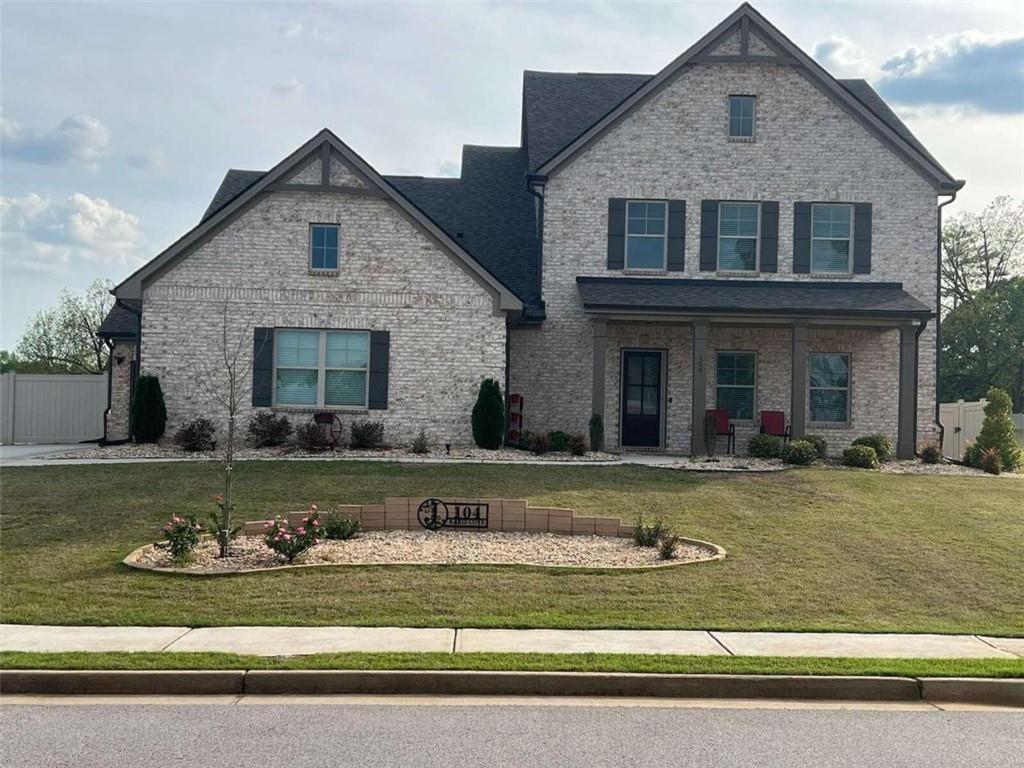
(51, 408)
(962, 423)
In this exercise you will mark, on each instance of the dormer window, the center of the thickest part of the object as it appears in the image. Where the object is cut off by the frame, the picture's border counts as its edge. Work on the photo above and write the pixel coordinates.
(742, 111)
(323, 248)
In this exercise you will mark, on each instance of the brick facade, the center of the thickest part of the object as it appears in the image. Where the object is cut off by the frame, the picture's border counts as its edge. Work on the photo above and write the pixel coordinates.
(122, 355)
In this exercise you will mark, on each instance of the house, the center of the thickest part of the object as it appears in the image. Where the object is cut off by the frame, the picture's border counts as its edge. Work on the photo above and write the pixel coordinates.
(739, 231)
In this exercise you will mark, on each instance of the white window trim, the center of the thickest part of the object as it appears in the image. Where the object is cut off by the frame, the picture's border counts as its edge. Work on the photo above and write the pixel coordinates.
(321, 369)
(728, 117)
(664, 239)
(849, 248)
(752, 387)
(309, 255)
(757, 240)
(848, 389)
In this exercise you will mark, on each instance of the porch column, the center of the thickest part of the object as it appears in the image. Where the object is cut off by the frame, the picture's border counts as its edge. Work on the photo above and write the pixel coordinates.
(906, 438)
(798, 382)
(600, 355)
(698, 405)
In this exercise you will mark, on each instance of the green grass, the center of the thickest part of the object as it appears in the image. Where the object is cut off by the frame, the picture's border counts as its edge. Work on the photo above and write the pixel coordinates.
(811, 549)
(526, 662)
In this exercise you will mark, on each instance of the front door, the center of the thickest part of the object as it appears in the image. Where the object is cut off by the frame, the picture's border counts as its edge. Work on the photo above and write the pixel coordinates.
(641, 399)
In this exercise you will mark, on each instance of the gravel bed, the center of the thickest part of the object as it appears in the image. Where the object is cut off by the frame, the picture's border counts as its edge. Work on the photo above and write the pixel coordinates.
(441, 548)
(168, 451)
(727, 464)
(912, 467)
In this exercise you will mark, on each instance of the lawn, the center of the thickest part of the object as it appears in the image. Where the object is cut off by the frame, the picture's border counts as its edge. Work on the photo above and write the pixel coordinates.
(811, 549)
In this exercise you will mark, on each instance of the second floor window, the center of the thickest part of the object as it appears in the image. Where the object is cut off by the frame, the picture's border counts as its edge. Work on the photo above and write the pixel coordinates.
(645, 234)
(738, 230)
(741, 116)
(323, 247)
(831, 235)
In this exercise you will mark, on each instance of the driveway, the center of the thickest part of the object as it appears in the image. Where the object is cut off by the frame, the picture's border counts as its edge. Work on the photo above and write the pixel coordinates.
(13, 455)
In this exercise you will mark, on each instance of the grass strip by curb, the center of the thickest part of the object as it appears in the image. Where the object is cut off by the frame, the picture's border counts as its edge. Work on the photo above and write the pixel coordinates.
(522, 662)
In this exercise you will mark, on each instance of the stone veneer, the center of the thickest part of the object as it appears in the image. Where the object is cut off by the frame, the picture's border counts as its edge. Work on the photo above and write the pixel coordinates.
(117, 416)
(675, 147)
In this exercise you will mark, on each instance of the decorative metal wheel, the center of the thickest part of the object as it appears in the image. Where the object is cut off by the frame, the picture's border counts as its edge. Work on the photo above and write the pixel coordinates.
(432, 514)
(330, 423)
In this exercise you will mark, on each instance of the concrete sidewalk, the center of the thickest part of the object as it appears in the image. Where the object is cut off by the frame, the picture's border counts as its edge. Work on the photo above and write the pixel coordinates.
(293, 641)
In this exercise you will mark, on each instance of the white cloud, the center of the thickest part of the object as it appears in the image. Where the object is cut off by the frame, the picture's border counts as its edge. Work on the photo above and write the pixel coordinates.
(843, 58)
(79, 140)
(290, 28)
(41, 235)
(290, 87)
(151, 162)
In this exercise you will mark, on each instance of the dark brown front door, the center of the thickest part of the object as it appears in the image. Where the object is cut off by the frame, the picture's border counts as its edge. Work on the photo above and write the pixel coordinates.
(641, 399)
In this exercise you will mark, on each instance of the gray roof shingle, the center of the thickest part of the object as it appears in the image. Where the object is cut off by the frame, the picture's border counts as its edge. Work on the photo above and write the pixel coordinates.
(235, 182)
(121, 323)
(773, 297)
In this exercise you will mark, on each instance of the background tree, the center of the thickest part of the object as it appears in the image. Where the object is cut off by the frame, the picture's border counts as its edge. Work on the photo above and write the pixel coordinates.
(11, 363)
(63, 338)
(980, 249)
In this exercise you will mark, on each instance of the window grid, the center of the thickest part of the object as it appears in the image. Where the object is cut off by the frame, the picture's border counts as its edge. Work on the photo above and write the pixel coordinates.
(736, 383)
(742, 111)
(646, 234)
(739, 237)
(829, 398)
(323, 247)
(297, 392)
(831, 238)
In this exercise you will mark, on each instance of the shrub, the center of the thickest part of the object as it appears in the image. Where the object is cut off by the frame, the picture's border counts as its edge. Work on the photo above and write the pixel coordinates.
(931, 453)
(291, 541)
(366, 434)
(539, 444)
(196, 435)
(991, 461)
(311, 437)
(862, 456)
(972, 455)
(577, 445)
(819, 443)
(420, 443)
(489, 416)
(881, 444)
(997, 431)
(647, 535)
(181, 535)
(340, 528)
(266, 430)
(596, 433)
(559, 441)
(667, 545)
(765, 446)
(148, 412)
(799, 452)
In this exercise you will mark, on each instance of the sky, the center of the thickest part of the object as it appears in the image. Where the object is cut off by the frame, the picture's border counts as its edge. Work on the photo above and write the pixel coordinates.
(118, 121)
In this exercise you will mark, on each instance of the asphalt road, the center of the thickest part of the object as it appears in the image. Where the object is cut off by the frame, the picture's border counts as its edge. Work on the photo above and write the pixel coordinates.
(272, 734)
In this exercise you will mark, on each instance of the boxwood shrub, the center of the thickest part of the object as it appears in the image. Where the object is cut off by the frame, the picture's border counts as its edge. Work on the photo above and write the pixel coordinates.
(799, 452)
(881, 444)
(765, 446)
(862, 456)
(819, 443)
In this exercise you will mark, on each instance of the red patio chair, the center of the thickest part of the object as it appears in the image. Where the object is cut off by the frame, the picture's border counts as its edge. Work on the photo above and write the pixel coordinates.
(774, 423)
(723, 428)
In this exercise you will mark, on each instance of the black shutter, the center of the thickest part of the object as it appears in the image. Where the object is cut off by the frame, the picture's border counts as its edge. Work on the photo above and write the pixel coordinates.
(380, 343)
(676, 235)
(862, 238)
(616, 233)
(708, 235)
(769, 236)
(801, 237)
(262, 367)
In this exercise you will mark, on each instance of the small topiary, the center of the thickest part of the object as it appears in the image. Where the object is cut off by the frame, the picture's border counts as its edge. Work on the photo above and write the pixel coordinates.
(596, 433)
(311, 437)
(878, 441)
(991, 461)
(340, 528)
(489, 416)
(577, 445)
(148, 412)
(799, 452)
(931, 453)
(420, 443)
(819, 443)
(998, 432)
(196, 435)
(366, 435)
(862, 456)
(559, 441)
(765, 446)
(267, 430)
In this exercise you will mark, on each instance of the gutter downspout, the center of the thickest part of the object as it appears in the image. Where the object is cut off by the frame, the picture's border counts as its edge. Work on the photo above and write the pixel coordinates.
(533, 181)
(938, 304)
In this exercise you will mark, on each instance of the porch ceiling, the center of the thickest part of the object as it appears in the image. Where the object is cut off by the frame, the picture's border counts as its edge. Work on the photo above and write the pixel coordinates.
(777, 299)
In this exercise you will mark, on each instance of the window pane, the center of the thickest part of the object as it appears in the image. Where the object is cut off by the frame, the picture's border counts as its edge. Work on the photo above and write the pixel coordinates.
(298, 348)
(829, 371)
(828, 405)
(655, 226)
(318, 237)
(830, 220)
(738, 401)
(830, 255)
(634, 370)
(331, 238)
(650, 401)
(645, 252)
(347, 350)
(633, 399)
(345, 388)
(656, 211)
(737, 253)
(651, 371)
(295, 387)
(738, 219)
(741, 116)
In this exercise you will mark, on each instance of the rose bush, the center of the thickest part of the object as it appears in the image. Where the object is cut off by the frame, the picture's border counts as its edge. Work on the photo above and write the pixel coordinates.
(181, 535)
(291, 541)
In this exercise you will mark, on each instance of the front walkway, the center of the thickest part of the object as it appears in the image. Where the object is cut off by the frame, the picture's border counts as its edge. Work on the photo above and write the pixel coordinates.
(291, 641)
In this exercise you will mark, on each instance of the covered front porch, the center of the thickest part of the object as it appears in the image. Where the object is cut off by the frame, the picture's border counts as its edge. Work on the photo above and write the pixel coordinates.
(840, 360)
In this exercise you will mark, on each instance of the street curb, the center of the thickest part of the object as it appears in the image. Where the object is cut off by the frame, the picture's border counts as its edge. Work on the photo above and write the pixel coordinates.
(975, 690)
(155, 682)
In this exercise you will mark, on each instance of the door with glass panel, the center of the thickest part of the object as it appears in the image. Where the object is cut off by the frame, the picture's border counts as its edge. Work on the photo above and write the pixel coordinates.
(641, 398)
